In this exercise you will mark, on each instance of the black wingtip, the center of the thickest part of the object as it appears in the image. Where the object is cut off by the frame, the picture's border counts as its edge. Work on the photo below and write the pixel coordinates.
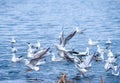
(20, 56)
(28, 42)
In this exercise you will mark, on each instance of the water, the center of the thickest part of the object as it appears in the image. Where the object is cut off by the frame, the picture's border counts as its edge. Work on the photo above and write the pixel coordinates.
(30, 20)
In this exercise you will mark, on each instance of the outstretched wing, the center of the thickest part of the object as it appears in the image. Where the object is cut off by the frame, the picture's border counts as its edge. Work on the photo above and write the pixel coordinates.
(69, 37)
(38, 56)
(67, 57)
(61, 37)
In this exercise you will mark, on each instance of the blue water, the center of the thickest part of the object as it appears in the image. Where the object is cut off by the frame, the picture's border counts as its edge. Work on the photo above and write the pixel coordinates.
(30, 20)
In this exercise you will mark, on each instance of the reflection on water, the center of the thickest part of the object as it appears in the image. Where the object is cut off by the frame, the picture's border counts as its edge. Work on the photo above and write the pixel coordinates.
(29, 20)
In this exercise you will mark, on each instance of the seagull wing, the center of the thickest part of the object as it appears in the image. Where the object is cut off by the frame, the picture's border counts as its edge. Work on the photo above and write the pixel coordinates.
(67, 57)
(69, 37)
(88, 60)
(61, 37)
(38, 56)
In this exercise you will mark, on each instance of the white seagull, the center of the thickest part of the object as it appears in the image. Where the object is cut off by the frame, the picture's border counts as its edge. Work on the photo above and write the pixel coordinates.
(16, 59)
(32, 64)
(64, 40)
(83, 66)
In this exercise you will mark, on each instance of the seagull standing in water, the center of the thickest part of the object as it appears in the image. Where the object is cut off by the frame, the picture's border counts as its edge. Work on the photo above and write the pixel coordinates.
(16, 59)
(32, 64)
(115, 70)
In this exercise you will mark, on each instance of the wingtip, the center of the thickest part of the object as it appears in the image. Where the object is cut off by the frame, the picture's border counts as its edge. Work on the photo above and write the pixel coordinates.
(79, 31)
(48, 48)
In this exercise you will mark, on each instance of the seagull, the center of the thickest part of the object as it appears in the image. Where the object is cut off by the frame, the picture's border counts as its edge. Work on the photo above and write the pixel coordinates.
(62, 52)
(32, 64)
(13, 40)
(108, 42)
(15, 59)
(92, 43)
(114, 68)
(64, 40)
(83, 66)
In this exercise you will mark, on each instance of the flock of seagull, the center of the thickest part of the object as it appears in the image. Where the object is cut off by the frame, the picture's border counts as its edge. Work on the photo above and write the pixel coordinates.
(82, 60)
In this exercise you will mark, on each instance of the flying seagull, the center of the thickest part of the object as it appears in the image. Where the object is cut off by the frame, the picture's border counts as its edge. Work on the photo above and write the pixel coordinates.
(32, 64)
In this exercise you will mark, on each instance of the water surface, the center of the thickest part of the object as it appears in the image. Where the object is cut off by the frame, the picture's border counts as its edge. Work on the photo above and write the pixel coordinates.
(30, 20)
